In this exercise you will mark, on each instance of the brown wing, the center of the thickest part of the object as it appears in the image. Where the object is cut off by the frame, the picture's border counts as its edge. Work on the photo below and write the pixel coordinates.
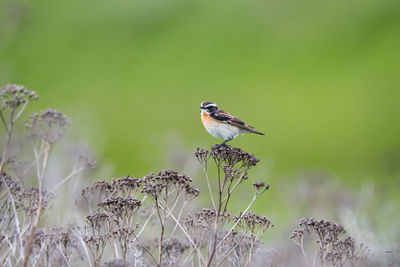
(225, 117)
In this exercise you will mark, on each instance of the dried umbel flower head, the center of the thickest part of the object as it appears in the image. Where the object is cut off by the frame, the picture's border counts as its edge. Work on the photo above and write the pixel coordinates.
(98, 220)
(96, 192)
(153, 190)
(326, 230)
(252, 222)
(234, 162)
(12, 96)
(10, 185)
(48, 125)
(55, 246)
(233, 155)
(126, 185)
(124, 234)
(334, 247)
(202, 155)
(84, 161)
(230, 156)
(204, 219)
(121, 208)
(166, 181)
(260, 187)
(30, 201)
(96, 244)
(297, 236)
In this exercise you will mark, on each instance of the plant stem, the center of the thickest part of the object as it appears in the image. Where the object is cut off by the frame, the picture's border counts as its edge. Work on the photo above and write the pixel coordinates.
(28, 248)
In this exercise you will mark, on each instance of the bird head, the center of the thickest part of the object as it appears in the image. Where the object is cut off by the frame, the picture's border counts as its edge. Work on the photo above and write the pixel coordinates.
(208, 107)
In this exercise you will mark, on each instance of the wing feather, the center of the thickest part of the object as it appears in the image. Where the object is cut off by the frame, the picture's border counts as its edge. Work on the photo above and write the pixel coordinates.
(227, 118)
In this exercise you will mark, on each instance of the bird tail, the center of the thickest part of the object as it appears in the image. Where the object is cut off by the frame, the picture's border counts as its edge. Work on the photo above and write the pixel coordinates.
(256, 132)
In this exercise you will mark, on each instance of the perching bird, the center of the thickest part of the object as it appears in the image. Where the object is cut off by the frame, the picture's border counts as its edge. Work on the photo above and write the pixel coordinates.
(221, 124)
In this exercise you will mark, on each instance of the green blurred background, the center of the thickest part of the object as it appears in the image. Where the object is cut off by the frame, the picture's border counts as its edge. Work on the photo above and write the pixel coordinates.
(320, 77)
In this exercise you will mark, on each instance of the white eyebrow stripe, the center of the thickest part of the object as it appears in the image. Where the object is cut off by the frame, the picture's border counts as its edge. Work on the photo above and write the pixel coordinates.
(211, 105)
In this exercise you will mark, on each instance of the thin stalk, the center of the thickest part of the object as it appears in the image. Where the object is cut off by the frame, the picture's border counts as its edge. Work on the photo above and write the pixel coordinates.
(8, 142)
(161, 234)
(145, 224)
(72, 173)
(233, 227)
(84, 247)
(229, 253)
(209, 187)
(144, 247)
(188, 256)
(220, 191)
(186, 234)
(176, 225)
(28, 249)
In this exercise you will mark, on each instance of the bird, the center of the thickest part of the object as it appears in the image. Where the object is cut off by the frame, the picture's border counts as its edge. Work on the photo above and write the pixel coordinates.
(221, 124)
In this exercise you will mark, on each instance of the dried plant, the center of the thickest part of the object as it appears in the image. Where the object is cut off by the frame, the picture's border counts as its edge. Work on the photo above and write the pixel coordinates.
(117, 219)
(47, 125)
(334, 247)
(232, 166)
(55, 246)
(23, 206)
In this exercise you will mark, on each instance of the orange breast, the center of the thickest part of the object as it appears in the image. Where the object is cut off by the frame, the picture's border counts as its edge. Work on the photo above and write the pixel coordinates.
(207, 120)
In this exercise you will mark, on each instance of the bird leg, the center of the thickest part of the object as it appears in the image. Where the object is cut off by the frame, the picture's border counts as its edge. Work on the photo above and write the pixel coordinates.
(223, 143)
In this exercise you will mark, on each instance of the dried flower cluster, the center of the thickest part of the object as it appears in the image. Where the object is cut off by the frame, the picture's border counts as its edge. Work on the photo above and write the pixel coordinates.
(55, 246)
(48, 125)
(115, 216)
(334, 247)
(252, 222)
(24, 200)
(166, 182)
(12, 96)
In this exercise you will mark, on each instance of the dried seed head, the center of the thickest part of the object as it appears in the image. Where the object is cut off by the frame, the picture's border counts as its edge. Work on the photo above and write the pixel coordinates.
(121, 208)
(56, 245)
(202, 155)
(30, 201)
(204, 218)
(12, 96)
(297, 237)
(83, 160)
(250, 221)
(126, 185)
(166, 180)
(260, 187)
(153, 189)
(96, 192)
(12, 186)
(98, 220)
(48, 125)
(328, 231)
(233, 155)
(333, 247)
